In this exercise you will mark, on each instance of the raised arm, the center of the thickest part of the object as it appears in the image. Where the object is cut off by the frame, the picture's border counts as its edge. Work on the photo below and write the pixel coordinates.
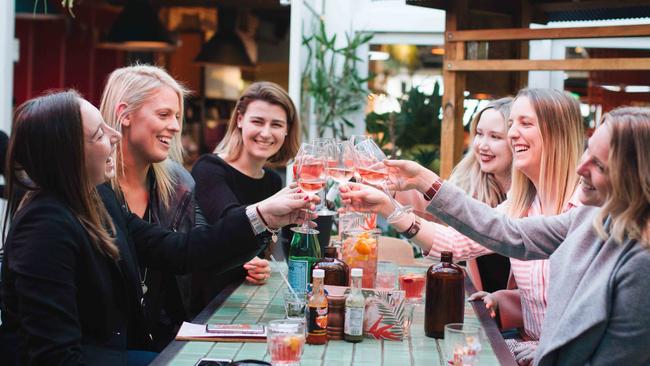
(528, 238)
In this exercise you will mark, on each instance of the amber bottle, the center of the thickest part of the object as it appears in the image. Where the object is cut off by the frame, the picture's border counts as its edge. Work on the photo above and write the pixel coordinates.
(336, 271)
(445, 298)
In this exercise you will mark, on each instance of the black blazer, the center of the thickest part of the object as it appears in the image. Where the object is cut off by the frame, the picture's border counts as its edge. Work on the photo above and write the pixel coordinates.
(71, 305)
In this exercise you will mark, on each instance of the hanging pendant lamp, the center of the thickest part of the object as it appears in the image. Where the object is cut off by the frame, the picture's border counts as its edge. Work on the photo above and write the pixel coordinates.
(138, 28)
(226, 46)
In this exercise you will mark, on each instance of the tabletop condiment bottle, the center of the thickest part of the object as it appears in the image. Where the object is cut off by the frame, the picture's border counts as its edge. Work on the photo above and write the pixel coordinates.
(336, 271)
(317, 311)
(355, 305)
(445, 300)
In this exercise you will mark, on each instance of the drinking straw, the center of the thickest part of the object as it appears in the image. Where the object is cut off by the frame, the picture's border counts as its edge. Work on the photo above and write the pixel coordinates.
(284, 278)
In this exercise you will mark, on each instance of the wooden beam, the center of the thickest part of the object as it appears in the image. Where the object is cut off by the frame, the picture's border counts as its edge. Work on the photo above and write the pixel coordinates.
(451, 139)
(512, 34)
(587, 64)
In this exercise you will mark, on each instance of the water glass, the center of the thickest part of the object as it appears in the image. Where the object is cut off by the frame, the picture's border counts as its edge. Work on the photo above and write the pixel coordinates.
(295, 305)
(387, 273)
(412, 280)
(462, 344)
(285, 339)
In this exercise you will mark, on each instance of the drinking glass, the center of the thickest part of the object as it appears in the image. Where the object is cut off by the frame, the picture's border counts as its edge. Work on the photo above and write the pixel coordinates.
(295, 305)
(285, 339)
(329, 155)
(310, 173)
(462, 344)
(369, 160)
(412, 280)
(341, 168)
(387, 272)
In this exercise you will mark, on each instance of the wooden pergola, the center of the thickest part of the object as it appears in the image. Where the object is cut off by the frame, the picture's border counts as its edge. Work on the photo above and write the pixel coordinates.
(505, 70)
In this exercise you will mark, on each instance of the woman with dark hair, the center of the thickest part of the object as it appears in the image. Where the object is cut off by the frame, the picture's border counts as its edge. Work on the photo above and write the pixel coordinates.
(598, 305)
(71, 289)
(264, 130)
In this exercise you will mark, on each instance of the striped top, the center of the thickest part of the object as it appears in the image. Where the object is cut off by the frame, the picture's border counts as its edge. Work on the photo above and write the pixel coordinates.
(531, 276)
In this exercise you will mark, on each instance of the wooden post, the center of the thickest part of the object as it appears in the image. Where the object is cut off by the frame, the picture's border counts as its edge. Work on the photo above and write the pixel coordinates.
(451, 141)
(522, 52)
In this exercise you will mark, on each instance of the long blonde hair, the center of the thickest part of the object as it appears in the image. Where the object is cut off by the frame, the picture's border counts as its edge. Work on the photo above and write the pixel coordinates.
(232, 144)
(628, 202)
(133, 85)
(468, 175)
(561, 128)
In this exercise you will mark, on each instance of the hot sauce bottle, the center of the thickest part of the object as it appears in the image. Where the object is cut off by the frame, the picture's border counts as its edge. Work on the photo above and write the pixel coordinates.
(317, 311)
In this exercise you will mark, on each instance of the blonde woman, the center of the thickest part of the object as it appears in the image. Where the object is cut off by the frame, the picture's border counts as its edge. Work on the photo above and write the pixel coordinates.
(485, 174)
(599, 308)
(264, 130)
(546, 136)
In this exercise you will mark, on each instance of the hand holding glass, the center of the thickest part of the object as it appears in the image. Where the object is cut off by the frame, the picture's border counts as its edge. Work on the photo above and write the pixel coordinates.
(370, 166)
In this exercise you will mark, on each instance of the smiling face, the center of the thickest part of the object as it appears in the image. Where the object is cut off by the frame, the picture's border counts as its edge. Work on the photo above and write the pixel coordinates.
(525, 138)
(594, 179)
(490, 144)
(99, 144)
(263, 128)
(148, 131)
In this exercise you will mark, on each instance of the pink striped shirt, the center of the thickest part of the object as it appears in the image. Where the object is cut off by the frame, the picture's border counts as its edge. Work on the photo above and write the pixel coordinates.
(531, 276)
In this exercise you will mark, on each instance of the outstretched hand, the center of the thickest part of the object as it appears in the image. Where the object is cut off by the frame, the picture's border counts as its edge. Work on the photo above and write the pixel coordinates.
(363, 198)
(288, 206)
(410, 175)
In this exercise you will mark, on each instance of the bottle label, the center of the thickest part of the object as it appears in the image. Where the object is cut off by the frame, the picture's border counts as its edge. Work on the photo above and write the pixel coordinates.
(298, 274)
(353, 321)
(317, 321)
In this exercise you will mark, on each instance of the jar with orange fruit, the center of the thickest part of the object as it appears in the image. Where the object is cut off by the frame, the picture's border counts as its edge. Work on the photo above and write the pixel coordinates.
(360, 251)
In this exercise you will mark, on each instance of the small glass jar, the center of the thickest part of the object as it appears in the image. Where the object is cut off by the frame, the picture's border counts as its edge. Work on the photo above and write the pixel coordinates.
(360, 251)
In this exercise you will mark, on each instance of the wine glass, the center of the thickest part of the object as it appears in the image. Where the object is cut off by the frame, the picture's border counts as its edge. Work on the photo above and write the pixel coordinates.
(328, 146)
(370, 165)
(310, 173)
(342, 167)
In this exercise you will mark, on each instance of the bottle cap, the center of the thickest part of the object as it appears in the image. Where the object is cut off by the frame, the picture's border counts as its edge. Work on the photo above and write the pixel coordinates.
(446, 256)
(356, 272)
(318, 273)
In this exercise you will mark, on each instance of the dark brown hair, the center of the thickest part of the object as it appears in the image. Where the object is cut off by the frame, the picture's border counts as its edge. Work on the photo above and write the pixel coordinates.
(46, 154)
(232, 144)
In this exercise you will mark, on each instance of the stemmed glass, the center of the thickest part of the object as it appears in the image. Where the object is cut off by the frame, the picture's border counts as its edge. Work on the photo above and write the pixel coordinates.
(370, 165)
(310, 173)
(341, 167)
(328, 149)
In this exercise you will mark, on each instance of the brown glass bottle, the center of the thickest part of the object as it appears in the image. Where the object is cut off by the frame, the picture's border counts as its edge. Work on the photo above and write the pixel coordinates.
(445, 298)
(336, 271)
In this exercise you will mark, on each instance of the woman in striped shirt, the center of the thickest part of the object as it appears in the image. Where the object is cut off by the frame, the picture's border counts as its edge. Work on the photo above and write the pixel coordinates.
(546, 136)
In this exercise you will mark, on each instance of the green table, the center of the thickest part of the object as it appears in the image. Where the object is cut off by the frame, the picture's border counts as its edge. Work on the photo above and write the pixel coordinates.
(242, 303)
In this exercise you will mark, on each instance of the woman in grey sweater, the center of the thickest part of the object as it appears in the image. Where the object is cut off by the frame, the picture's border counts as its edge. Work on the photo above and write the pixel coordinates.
(598, 304)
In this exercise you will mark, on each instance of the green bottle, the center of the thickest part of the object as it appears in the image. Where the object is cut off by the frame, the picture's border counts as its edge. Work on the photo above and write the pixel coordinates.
(304, 251)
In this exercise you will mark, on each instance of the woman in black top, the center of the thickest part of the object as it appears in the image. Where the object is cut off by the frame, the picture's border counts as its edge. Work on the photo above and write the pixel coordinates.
(264, 129)
(71, 290)
(145, 104)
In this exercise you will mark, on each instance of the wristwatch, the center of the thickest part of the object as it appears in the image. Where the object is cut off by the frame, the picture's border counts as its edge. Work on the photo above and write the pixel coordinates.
(435, 187)
(256, 223)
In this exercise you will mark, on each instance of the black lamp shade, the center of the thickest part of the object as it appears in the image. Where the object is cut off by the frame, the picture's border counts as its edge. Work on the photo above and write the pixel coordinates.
(138, 28)
(226, 46)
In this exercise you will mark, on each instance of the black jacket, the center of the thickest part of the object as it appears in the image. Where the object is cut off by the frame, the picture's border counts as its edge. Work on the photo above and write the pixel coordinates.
(71, 305)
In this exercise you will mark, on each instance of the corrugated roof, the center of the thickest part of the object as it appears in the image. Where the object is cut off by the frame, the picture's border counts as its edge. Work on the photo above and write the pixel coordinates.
(633, 12)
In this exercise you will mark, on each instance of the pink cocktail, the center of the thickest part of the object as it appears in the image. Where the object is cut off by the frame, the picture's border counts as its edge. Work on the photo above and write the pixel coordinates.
(413, 285)
(285, 340)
